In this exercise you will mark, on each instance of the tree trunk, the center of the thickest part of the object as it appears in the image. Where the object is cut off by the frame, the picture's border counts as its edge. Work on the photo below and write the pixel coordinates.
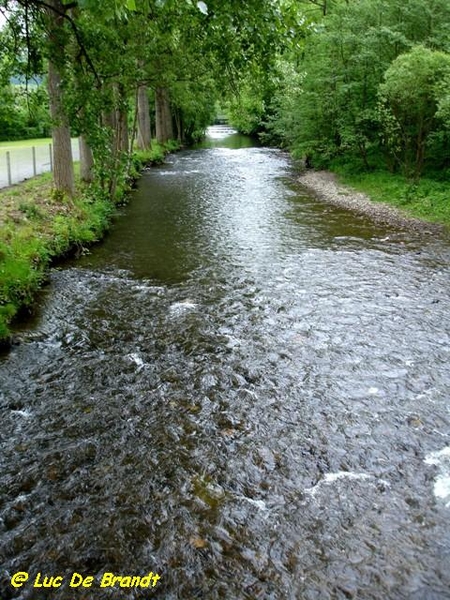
(363, 153)
(122, 144)
(164, 127)
(179, 125)
(86, 161)
(63, 175)
(144, 140)
(120, 121)
(117, 121)
(420, 149)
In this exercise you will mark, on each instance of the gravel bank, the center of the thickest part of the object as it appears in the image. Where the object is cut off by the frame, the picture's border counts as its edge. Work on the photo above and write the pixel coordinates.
(325, 186)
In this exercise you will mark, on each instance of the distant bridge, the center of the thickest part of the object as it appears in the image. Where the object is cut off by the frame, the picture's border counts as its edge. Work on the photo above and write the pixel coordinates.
(221, 120)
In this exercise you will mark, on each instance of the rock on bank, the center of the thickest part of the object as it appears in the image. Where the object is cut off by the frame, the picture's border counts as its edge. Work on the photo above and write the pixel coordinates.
(325, 186)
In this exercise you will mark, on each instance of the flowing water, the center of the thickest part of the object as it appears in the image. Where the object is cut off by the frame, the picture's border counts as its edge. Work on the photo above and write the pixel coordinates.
(242, 390)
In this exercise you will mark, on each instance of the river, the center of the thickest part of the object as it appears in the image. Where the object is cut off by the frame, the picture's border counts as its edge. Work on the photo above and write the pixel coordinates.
(242, 390)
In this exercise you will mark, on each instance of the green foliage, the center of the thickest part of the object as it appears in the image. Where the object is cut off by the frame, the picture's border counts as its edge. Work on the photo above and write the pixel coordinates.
(197, 51)
(194, 103)
(154, 156)
(23, 98)
(20, 271)
(7, 313)
(171, 146)
(23, 112)
(368, 79)
(411, 95)
(247, 112)
(30, 210)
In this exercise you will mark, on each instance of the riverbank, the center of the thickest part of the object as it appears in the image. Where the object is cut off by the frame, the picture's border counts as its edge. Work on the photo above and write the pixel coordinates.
(384, 198)
(38, 226)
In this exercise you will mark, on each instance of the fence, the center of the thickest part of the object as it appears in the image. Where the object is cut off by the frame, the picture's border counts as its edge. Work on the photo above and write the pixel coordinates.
(18, 164)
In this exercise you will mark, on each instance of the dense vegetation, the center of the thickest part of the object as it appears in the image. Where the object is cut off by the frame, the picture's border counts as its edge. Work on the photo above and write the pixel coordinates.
(23, 112)
(366, 84)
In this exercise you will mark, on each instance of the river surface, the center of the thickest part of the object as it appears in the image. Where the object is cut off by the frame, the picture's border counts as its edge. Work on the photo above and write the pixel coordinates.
(242, 390)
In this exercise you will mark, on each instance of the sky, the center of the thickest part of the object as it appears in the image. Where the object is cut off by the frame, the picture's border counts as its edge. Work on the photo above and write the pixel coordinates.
(2, 20)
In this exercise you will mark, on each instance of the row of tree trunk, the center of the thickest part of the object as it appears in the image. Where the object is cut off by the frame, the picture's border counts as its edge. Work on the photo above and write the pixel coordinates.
(116, 120)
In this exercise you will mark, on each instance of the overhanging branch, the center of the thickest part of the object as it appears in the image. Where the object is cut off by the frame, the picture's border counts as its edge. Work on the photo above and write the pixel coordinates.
(42, 4)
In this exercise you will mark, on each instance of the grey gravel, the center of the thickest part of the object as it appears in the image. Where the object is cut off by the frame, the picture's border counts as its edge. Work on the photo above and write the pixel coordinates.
(325, 187)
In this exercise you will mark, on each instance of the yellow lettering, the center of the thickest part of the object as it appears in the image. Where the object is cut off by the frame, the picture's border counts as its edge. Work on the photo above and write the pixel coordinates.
(47, 582)
(145, 581)
(18, 579)
(125, 582)
(78, 580)
(107, 580)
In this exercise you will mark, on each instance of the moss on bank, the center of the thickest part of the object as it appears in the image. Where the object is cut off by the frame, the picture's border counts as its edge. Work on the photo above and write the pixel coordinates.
(37, 225)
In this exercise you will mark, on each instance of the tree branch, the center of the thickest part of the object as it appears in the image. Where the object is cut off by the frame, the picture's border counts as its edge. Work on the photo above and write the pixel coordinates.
(73, 25)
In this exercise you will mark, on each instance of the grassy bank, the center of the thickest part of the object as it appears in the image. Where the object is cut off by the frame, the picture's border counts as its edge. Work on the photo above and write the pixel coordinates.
(428, 200)
(156, 154)
(37, 225)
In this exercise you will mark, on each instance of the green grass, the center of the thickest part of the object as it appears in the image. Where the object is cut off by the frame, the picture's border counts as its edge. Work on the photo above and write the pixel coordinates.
(35, 227)
(25, 143)
(156, 154)
(428, 200)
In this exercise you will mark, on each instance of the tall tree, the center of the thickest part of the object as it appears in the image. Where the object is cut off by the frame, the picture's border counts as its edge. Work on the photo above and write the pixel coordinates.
(163, 115)
(144, 138)
(411, 93)
(62, 144)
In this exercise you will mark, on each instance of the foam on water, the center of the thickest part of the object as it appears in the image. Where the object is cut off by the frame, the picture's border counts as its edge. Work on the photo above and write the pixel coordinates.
(441, 460)
(330, 478)
(26, 414)
(134, 357)
(185, 305)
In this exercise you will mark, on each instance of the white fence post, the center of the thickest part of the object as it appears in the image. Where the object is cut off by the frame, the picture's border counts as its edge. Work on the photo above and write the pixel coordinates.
(8, 167)
(26, 166)
(33, 150)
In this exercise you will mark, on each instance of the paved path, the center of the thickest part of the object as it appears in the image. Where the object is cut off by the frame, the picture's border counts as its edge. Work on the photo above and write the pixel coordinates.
(22, 162)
